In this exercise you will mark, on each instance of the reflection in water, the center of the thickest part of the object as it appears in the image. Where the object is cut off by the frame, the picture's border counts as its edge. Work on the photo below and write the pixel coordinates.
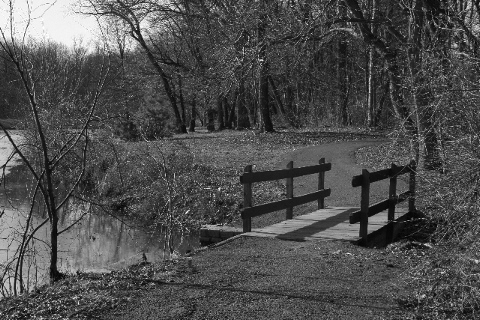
(6, 150)
(97, 243)
(101, 241)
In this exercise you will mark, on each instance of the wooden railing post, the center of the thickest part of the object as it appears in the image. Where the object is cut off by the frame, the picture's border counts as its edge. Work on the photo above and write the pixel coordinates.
(364, 204)
(411, 186)
(247, 200)
(321, 185)
(392, 194)
(248, 178)
(289, 184)
(392, 199)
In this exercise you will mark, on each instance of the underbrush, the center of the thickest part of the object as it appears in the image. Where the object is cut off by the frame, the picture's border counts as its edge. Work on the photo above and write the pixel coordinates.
(86, 295)
(158, 184)
(447, 282)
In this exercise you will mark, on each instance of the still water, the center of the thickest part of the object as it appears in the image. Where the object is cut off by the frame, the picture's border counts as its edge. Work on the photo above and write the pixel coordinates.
(99, 242)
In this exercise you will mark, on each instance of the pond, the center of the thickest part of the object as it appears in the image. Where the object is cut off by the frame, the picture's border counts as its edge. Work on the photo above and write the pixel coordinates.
(98, 243)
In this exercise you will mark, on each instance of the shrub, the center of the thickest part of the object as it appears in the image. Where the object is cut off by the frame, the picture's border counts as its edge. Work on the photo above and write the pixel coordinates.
(448, 283)
(126, 129)
(154, 124)
(147, 124)
(160, 183)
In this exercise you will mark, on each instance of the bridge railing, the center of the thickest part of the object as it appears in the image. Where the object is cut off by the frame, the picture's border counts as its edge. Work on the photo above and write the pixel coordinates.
(366, 178)
(249, 177)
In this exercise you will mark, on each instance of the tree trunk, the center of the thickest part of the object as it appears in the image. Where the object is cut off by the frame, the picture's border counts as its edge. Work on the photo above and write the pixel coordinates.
(343, 82)
(226, 112)
(181, 127)
(390, 56)
(55, 275)
(381, 104)
(220, 114)
(423, 94)
(211, 120)
(231, 117)
(264, 101)
(370, 70)
(242, 112)
(52, 210)
(431, 157)
(263, 98)
(193, 116)
(182, 103)
(289, 96)
(370, 90)
(342, 71)
(278, 100)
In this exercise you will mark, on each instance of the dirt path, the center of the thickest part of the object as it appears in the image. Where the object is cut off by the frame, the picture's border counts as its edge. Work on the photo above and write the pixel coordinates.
(274, 279)
(339, 179)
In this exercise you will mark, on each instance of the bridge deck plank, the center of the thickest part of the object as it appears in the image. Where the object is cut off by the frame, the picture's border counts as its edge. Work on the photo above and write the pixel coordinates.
(324, 224)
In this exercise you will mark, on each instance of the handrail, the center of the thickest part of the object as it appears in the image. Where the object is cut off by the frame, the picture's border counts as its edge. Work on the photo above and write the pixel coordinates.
(366, 178)
(249, 177)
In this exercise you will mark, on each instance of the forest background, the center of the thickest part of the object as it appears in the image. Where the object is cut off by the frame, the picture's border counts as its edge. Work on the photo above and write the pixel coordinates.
(167, 66)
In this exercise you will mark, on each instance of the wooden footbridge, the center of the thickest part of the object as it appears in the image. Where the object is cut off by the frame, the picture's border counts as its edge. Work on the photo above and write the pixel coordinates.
(361, 224)
(339, 223)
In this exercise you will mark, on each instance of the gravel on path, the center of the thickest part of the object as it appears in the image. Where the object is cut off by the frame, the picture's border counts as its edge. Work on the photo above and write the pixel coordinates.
(274, 279)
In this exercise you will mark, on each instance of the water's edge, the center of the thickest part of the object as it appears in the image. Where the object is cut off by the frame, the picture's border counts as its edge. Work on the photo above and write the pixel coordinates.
(97, 244)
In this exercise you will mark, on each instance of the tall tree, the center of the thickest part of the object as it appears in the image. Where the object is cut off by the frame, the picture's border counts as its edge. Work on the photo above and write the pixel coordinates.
(263, 67)
(134, 14)
(370, 70)
(342, 71)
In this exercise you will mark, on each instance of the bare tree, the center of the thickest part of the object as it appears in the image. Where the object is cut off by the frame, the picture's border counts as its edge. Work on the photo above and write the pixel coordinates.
(55, 142)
